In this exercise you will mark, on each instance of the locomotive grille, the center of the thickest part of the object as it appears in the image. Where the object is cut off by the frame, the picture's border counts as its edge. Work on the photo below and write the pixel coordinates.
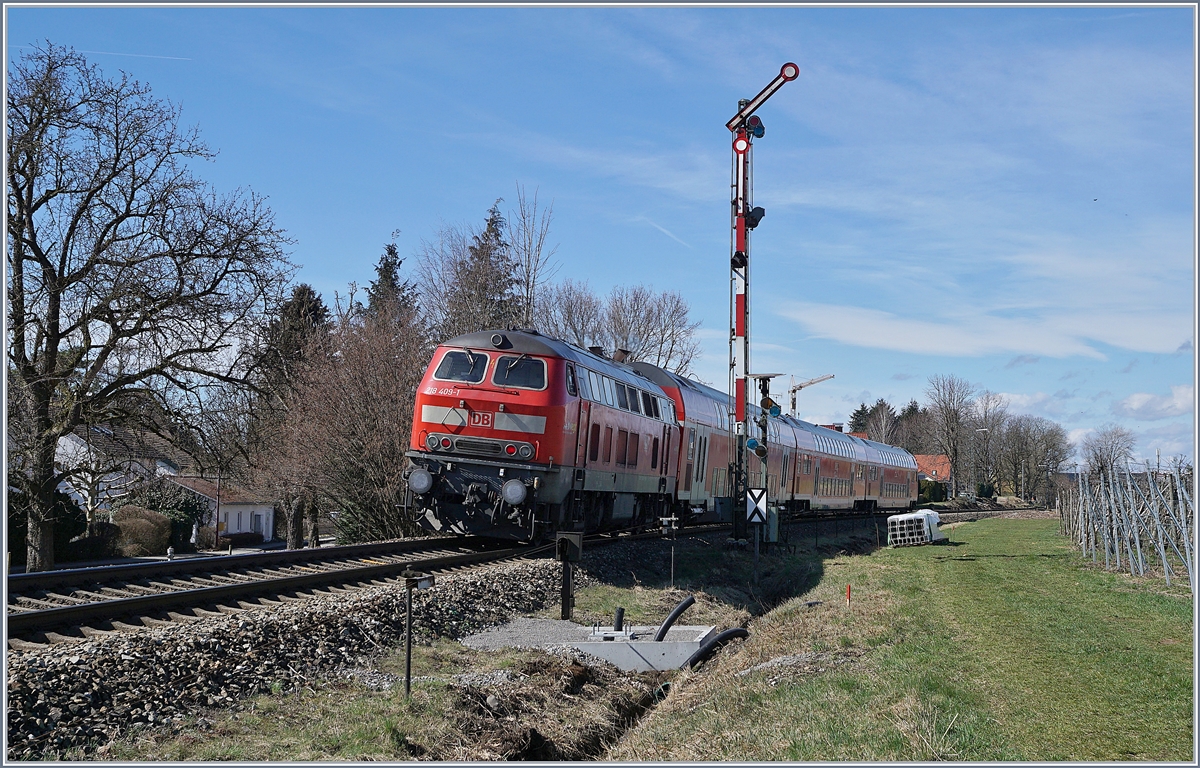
(481, 447)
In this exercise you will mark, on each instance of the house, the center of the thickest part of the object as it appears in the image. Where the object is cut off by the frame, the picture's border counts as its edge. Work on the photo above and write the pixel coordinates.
(933, 466)
(106, 461)
(235, 510)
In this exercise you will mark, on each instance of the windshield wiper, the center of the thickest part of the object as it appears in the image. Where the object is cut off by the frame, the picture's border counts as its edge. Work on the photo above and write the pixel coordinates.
(508, 368)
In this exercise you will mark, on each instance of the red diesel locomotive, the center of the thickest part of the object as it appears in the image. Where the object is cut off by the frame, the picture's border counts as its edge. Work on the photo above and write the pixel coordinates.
(516, 435)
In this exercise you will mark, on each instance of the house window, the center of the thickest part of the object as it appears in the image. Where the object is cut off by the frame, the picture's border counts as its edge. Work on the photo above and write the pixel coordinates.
(239, 525)
(256, 524)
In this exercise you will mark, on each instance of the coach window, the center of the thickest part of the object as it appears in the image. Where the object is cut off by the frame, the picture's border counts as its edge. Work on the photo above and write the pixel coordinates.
(594, 440)
(464, 366)
(648, 405)
(622, 445)
(610, 392)
(635, 441)
(520, 372)
(622, 399)
(571, 389)
(691, 444)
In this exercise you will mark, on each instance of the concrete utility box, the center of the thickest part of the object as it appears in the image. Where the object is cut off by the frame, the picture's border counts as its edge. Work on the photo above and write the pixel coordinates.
(634, 649)
(914, 528)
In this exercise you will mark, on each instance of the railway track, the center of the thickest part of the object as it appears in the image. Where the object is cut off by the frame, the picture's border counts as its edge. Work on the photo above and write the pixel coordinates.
(70, 605)
(67, 605)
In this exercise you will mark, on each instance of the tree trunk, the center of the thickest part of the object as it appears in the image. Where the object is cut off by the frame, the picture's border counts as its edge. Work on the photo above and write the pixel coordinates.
(39, 540)
(295, 523)
(313, 513)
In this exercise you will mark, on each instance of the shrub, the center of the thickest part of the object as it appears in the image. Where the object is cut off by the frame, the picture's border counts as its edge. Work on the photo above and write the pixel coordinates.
(70, 521)
(143, 532)
(183, 507)
(932, 491)
(239, 540)
(985, 490)
(101, 542)
(206, 538)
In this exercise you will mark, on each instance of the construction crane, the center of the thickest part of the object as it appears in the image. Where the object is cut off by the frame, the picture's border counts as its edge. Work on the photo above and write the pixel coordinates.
(797, 387)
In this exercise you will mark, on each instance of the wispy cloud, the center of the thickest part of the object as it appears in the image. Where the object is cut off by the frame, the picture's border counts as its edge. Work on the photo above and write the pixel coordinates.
(138, 55)
(1148, 407)
(1022, 360)
(903, 376)
(662, 229)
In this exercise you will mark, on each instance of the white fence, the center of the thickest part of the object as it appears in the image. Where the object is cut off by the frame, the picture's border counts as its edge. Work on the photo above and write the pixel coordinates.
(1142, 522)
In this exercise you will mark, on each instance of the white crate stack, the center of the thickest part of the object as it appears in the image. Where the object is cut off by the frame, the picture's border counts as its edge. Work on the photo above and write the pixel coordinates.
(913, 529)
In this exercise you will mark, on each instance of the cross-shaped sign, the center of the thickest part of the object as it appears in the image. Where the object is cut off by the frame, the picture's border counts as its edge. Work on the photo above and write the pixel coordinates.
(756, 505)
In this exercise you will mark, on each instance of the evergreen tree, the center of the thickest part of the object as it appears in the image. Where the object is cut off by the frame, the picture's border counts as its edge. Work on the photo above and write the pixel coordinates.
(858, 419)
(302, 318)
(387, 293)
(483, 293)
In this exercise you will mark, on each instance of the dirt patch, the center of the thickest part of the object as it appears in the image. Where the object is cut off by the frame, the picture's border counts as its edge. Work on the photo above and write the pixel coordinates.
(556, 708)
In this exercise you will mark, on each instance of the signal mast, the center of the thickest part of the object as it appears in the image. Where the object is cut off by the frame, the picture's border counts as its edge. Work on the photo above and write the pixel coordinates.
(746, 127)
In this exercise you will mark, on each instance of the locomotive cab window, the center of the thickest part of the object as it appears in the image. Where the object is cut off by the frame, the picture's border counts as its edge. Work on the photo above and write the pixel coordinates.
(520, 372)
(461, 365)
(571, 389)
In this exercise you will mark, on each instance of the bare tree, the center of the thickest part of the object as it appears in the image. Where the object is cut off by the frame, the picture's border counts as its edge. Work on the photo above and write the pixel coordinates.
(950, 402)
(988, 417)
(652, 327)
(1029, 450)
(130, 282)
(527, 231)
(882, 422)
(1108, 448)
(572, 312)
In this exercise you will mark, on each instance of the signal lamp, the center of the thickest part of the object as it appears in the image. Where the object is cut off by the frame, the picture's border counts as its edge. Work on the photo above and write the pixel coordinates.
(755, 216)
(739, 260)
(755, 126)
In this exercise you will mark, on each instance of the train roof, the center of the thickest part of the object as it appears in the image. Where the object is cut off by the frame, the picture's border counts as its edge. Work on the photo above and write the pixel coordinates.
(531, 342)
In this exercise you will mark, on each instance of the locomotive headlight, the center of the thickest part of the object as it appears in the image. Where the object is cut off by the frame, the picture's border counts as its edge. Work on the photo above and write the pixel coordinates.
(514, 492)
(432, 442)
(420, 481)
(526, 451)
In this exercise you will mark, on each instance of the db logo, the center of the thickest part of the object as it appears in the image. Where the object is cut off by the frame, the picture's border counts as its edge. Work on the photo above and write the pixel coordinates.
(481, 419)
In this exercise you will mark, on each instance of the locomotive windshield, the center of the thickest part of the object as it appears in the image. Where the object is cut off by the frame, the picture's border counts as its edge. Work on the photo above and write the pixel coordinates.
(522, 371)
(463, 366)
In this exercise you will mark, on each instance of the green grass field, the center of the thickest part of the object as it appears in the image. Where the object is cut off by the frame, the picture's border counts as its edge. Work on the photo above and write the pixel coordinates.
(1003, 645)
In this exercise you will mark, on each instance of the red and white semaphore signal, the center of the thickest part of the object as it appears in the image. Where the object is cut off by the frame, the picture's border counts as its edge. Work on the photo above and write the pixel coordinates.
(746, 127)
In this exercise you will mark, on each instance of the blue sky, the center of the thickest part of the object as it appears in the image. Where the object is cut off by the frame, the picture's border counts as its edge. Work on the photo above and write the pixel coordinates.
(1003, 194)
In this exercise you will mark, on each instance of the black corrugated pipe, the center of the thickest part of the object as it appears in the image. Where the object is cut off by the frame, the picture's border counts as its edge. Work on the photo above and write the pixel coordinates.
(687, 602)
(703, 653)
(619, 619)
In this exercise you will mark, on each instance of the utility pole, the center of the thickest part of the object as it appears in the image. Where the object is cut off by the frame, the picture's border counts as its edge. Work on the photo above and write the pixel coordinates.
(745, 127)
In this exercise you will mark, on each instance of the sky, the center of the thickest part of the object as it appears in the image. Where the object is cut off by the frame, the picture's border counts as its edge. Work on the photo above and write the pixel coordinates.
(1004, 194)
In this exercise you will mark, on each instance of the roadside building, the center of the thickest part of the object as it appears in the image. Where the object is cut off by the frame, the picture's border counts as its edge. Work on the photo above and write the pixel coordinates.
(934, 467)
(235, 510)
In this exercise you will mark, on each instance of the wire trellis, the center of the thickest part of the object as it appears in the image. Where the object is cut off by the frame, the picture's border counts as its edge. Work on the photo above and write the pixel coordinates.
(1142, 522)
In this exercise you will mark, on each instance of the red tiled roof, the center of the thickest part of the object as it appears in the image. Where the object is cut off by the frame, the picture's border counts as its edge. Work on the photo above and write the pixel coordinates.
(230, 494)
(863, 435)
(935, 466)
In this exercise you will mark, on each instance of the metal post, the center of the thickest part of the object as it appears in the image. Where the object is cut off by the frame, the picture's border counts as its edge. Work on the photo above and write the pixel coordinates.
(408, 644)
(672, 566)
(567, 591)
(757, 531)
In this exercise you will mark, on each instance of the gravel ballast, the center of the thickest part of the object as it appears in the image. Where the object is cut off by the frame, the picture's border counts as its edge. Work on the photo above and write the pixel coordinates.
(79, 696)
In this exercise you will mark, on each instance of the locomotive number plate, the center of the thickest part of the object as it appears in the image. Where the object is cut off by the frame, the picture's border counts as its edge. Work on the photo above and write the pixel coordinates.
(481, 419)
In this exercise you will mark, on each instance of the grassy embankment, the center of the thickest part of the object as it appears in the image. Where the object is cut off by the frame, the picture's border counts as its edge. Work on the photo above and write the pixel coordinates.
(1002, 646)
